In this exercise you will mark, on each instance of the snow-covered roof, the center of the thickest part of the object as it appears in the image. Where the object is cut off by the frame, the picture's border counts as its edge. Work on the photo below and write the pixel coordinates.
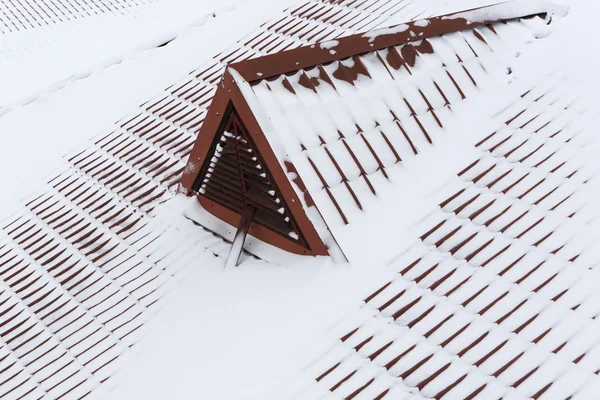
(485, 288)
(82, 263)
(343, 115)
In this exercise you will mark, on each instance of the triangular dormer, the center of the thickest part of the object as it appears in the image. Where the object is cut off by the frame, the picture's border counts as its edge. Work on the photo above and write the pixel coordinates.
(235, 171)
(235, 176)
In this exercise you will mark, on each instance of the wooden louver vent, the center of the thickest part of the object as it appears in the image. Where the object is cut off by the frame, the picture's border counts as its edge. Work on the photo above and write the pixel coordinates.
(235, 177)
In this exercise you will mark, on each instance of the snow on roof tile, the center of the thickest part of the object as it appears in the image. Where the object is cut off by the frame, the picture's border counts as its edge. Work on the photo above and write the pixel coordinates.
(81, 264)
(493, 301)
(497, 280)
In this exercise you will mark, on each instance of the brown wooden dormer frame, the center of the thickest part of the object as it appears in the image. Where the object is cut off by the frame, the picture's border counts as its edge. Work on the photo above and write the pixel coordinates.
(229, 95)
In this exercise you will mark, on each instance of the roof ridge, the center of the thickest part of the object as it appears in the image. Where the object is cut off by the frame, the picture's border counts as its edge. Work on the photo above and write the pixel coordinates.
(311, 55)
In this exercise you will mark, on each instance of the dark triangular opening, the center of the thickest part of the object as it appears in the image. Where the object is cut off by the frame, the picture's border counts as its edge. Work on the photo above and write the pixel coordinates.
(235, 175)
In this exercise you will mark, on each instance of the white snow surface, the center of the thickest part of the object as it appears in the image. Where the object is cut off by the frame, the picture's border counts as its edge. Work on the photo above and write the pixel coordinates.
(42, 59)
(268, 329)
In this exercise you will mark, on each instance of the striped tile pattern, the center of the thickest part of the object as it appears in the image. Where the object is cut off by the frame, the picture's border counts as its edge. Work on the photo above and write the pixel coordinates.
(20, 15)
(498, 299)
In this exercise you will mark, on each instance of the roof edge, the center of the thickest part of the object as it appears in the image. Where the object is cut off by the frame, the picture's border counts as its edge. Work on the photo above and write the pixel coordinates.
(308, 56)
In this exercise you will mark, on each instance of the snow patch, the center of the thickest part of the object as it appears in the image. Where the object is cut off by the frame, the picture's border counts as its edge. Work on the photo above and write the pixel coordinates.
(330, 44)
